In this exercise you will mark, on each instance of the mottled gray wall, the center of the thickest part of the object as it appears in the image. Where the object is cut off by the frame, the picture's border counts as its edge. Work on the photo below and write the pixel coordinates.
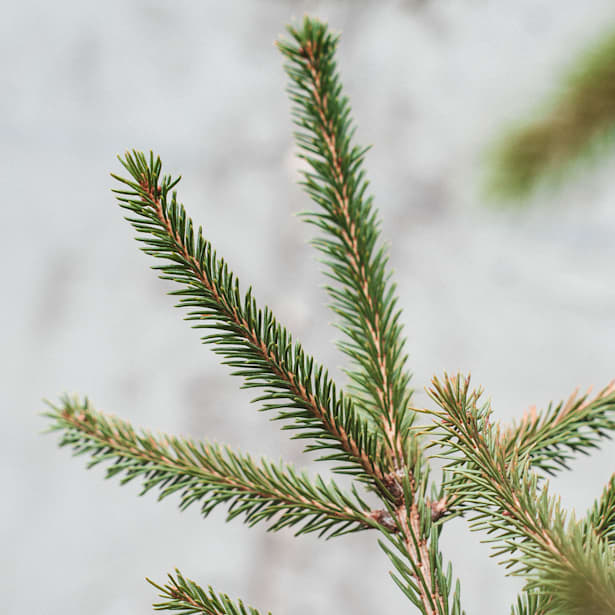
(525, 300)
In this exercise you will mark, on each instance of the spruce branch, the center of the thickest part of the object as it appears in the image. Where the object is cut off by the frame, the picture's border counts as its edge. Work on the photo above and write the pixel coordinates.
(556, 554)
(551, 438)
(363, 295)
(365, 300)
(209, 474)
(250, 339)
(601, 518)
(186, 597)
(600, 522)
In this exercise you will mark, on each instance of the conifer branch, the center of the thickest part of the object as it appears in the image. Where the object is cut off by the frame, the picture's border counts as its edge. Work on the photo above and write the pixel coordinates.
(600, 522)
(210, 475)
(187, 598)
(551, 438)
(556, 555)
(365, 300)
(363, 297)
(251, 340)
(601, 517)
(548, 439)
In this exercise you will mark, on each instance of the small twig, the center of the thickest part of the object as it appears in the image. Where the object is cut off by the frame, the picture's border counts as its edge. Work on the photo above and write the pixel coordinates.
(384, 518)
(438, 508)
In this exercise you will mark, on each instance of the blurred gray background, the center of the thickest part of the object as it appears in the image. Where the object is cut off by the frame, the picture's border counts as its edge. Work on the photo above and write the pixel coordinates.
(522, 298)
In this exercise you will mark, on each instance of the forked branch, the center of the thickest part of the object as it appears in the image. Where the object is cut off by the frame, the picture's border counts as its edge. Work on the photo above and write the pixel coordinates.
(576, 569)
(250, 339)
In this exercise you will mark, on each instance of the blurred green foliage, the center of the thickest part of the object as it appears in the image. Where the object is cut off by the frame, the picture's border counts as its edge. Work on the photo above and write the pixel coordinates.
(575, 126)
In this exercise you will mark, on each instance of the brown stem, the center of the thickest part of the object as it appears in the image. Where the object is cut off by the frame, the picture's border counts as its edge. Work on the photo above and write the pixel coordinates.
(439, 508)
(176, 594)
(417, 547)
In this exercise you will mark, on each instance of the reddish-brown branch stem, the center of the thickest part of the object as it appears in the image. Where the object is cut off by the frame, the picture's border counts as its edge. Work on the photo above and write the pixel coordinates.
(418, 550)
(85, 425)
(178, 595)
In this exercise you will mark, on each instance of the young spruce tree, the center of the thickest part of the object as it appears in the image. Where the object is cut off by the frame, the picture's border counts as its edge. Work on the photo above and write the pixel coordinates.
(494, 475)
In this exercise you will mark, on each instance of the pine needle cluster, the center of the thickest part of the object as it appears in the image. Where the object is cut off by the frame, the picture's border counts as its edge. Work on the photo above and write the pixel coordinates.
(494, 476)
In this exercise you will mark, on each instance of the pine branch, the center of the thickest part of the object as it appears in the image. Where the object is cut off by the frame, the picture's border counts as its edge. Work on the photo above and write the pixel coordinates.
(555, 554)
(364, 299)
(186, 597)
(551, 438)
(209, 474)
(363, 296)
(253, 343)
(600, 522)
(601, 517)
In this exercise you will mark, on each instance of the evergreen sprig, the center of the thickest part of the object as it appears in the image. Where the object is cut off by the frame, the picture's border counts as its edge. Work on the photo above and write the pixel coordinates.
(529, 529)
(600, 523)
(601, 518)
(551, 438)
(209, 474)
(362, 295)
(543, 438)
(187, 598)
(250, 339)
